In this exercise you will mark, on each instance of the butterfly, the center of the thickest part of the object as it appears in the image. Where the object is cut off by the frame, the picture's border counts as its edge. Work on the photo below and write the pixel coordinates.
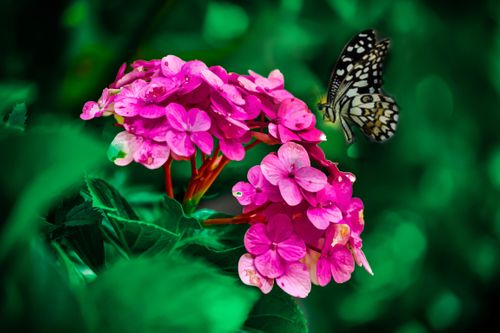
(354, 90)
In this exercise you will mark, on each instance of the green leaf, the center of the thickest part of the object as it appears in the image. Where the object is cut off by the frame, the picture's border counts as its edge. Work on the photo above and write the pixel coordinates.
(276, 312)
(36, 295)
(221, 245)
(136, 237)
(17, 117)
(173, 218)
(77, 222)
(42, 163)
(107, 198)
(145, 238)
(168, 294)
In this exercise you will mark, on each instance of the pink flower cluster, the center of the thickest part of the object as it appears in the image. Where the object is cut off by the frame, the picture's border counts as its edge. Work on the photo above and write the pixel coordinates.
(306, 225)
(171, 108)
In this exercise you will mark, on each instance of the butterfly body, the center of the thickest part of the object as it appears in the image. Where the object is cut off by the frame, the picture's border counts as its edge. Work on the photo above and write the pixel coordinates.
(354, 91)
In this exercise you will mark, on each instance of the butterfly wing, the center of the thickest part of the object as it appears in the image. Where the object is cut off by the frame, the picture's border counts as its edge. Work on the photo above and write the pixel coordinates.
(353, 52)
(376, 115)
(366, 75)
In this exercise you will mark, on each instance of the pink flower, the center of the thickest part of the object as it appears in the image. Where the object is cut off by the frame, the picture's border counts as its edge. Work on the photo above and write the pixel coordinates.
(154, 129)
(295, 122)
(188, 129)
(336, 260)
(323, 209)
(134, 100)
(274, 245)
(127, 147)
(258, 191)
(250, 276)
(291, 170)
(103, 107)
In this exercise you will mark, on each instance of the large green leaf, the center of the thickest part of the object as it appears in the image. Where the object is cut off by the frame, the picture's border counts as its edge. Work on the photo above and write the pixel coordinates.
(39, 165)
(137, 237)
(168, 294)
(276, 312)
(36, 296)
(77, 223)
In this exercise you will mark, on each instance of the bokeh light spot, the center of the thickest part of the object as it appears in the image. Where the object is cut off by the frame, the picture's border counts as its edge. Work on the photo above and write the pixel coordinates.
(224, 21)
(444, 310)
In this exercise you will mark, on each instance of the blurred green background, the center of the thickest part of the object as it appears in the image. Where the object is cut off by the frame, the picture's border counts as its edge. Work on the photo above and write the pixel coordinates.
(431, 193)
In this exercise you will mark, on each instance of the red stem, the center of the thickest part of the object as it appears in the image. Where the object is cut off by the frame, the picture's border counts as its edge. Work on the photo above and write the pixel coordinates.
(168, 178)
(194, 172)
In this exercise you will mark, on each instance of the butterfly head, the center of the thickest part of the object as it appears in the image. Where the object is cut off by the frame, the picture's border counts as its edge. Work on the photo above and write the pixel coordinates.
(328, 112)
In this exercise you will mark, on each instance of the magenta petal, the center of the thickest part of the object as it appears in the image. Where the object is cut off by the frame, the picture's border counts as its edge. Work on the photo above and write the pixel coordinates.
(177, 116)
(312, 134)
(296, 281)
(180, 143)
(318, 217)
(255, 176)
(151, 111)
(232, 94)
(256, 240)
(171, 65)
(232, 149)
(334, 214)
(152, 155)
(244, 193)
(273, 130)
(279, 228)
(310, 179)
(273, 169)
(293, 156)
(292, 249)
(211, 78)
(249, 275)
(361, 260)
(270, 264)
(290, 191)
(295, 115)
(198, 120)
(247, 84)
(90, 110)
(285, 135)
(323, 272)
(204, 141)
(342, 264)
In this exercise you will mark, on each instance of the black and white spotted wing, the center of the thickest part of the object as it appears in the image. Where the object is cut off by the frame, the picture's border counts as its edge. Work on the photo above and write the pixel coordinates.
(355, 95)
(375, 114)
(351, 54)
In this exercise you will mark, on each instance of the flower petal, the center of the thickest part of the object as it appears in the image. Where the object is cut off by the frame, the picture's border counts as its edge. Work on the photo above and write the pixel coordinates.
(270, 264)
(180, 143)
(292, 249)
(256, 240)
(342, 264)
(122, 148)
(293, 156)
(279, 228)
(286, 135)
(151, 154)
(296, 281)
(290, 191)
(203, 140)
(318, 217)
(294, 114)
(249, 275)
(310, 179)
(171, 65)
(255, 176)
(244, 193)
(232, 149)
(198, 120)
(177, 116)
(323, 272)
(273, 169)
